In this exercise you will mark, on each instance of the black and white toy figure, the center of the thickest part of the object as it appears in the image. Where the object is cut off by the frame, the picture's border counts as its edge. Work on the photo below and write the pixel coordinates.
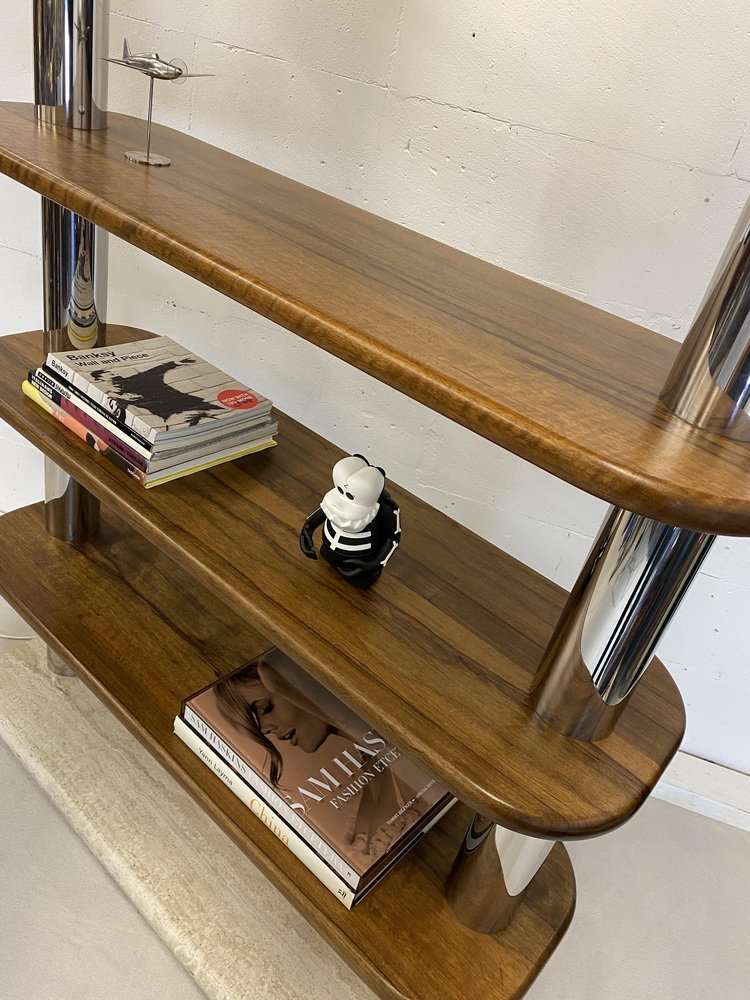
(361, 523)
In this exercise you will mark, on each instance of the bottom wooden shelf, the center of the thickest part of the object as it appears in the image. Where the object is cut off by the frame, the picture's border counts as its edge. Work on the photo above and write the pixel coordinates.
(141, 634)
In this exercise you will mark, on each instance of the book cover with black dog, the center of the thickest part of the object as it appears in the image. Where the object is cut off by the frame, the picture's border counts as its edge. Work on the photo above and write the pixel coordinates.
(160, 389)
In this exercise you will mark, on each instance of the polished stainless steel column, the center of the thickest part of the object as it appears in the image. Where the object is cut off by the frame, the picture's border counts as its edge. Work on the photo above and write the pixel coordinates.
(74, 264)
(630, 587)
(491, 873)
(70, 80)
(639, 569)
(709, 385)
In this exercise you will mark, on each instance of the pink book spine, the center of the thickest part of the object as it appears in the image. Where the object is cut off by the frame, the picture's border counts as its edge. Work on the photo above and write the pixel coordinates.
(102, 432)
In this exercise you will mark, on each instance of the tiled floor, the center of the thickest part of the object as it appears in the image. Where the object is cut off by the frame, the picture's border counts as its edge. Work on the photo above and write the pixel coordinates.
(663, 914)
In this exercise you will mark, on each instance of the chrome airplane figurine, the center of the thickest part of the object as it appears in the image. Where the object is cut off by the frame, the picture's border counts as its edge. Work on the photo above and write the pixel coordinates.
(155, 68)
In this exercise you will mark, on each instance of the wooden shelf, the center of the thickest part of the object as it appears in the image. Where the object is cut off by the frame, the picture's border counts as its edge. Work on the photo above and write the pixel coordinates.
(566, 386)
(141, 634)
(439, 655)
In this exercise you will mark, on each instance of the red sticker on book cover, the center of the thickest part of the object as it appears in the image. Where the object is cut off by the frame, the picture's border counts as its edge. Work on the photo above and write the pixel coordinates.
(237, 399)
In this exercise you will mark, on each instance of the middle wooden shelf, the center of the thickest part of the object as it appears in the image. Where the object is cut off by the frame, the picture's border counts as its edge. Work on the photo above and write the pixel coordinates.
(439, 655)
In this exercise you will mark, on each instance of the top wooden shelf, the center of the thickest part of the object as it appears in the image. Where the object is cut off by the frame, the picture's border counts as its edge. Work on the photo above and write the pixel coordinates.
(562, 384)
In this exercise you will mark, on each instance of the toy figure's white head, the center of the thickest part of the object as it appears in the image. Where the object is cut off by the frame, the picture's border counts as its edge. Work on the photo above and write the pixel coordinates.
(353, 502)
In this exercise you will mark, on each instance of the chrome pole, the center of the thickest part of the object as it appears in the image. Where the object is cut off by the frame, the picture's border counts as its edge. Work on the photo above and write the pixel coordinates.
(491, 873)
(639, 569)
(70, 82)
(70, 78)
(74, 268)
(635, 577)
(709, 384)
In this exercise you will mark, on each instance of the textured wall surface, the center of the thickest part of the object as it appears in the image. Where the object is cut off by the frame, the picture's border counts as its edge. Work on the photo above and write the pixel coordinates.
(596, 147)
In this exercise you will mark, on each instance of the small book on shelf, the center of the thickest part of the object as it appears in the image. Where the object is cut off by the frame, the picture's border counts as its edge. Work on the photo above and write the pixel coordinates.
(341, 797)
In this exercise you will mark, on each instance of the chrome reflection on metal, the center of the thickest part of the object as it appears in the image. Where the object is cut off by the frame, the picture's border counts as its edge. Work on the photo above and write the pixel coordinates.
(71, 512)
(640, 572)
(58, 665)
(74, 256)
(709, 384)
(70, 84)
(70, 79)
(633, 581)
(492, 870)
(521, 858)
(74, 264)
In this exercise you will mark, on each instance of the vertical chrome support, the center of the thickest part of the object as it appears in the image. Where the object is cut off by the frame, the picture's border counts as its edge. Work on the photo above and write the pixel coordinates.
(633, 581)
(71, 512)
(70, 79)
(639, 569)
(70, 90)
(709, 385)
(74, 267)
(150, 113)
(492, 871)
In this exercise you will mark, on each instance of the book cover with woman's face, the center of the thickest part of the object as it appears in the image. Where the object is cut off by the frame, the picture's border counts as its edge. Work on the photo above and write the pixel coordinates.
(348, 782)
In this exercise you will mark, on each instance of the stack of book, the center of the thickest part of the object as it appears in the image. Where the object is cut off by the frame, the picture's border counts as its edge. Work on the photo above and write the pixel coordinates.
(153, 408)
(341, 797)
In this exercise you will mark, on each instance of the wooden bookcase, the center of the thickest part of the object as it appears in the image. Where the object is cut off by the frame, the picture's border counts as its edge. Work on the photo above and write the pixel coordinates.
(189, 580)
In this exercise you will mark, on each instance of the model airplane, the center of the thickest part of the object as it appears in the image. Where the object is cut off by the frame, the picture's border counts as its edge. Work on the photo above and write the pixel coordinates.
(152, 66)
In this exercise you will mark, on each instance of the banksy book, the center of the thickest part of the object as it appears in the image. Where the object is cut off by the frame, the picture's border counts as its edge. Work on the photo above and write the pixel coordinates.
(161, 390)
(345, 791)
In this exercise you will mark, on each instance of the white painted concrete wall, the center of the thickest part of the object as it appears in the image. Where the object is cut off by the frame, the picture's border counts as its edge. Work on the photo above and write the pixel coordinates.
(597, 147)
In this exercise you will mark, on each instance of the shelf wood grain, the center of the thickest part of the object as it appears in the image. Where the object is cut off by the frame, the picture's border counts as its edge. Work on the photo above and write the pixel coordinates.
(439, 654)
(564, 385)
(141, 634)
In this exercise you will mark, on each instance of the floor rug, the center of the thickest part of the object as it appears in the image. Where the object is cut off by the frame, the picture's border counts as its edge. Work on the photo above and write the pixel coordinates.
(228, 926)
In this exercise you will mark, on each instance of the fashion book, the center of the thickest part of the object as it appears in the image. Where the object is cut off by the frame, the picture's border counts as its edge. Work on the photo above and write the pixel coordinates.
(331, 785)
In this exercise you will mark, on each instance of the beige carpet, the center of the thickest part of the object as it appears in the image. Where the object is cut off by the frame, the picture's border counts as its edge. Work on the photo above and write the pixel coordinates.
(235, 934)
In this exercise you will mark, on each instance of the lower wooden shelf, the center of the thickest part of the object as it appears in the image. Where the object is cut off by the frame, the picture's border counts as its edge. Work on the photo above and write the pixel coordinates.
(141, 633)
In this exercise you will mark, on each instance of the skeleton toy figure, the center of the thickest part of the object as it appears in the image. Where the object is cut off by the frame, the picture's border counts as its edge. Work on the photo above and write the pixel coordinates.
(361, 523)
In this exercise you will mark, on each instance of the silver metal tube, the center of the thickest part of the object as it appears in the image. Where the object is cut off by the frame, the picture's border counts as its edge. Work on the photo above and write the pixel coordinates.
(70, 80)
(74, 268)
(520, 857)
(491, 873)
(74, 255)
(634, 579)
(709, 384)
(74, 265)
(70, 85)
(150, 112)
(71, 513)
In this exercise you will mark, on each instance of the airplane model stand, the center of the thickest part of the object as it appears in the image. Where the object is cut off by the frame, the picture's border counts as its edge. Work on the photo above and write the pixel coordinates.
(148, 158)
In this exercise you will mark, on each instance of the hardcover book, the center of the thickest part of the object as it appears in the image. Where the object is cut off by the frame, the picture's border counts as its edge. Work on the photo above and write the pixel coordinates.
(331, 784)
(160, 389)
